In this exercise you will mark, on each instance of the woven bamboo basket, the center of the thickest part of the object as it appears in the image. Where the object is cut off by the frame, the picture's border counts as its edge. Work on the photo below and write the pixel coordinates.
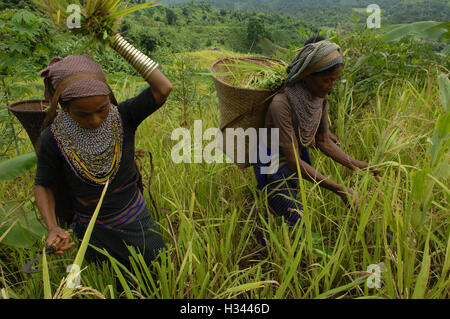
(240, 107)
(31, 114)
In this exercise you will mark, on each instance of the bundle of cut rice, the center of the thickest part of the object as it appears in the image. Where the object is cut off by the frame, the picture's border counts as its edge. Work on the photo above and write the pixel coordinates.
(98, 19)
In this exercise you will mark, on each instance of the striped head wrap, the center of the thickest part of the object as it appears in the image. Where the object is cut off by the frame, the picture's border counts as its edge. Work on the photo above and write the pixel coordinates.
(60, 68)
(312, 58)
(307, 109)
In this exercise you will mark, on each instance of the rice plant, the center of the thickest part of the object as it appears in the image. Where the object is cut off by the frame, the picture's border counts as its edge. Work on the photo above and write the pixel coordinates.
(251, 74)
(99, 19)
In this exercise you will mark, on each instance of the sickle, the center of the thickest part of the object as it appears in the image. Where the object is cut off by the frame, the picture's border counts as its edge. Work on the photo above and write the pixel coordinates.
(28, 267)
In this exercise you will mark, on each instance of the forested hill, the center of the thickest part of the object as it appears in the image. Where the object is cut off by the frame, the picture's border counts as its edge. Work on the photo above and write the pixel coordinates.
(396, 11)
(286, 6)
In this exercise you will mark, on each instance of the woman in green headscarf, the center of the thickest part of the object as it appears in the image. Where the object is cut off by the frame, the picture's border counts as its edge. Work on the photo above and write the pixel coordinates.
(300, 112)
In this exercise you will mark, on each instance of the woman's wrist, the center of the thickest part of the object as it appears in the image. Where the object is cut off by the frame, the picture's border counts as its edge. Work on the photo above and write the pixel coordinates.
(50, 221)
(332, 186)
(359, 164)
(139, 61)
(341, 190)
(51, 227)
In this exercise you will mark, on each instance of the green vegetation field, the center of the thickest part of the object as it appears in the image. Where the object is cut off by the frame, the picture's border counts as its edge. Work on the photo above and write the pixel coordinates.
(391, 109)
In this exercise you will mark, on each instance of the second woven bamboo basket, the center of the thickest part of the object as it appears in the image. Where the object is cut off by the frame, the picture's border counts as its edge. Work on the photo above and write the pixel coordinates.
(240, 107)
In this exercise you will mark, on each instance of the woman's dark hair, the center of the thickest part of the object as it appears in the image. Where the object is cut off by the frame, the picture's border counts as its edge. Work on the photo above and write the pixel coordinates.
(316, 39)
(64, 105)
(329, 70)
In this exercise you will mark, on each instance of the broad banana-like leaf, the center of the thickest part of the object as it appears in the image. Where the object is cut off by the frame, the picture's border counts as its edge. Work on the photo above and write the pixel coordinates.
(444, 91)
(17, 166)
(427, 30)
(26, 228)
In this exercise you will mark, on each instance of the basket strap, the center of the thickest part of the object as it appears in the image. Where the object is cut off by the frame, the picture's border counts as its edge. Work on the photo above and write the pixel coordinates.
(76, 77)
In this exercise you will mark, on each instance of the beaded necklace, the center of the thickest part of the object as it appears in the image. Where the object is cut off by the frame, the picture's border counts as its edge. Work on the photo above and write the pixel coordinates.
(93, 154)
(307, 109)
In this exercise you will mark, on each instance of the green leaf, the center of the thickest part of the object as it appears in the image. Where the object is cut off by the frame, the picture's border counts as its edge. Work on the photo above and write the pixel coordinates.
(445, 25)
(18, 48)
(18, 227)
(6, 232)
(84, 244)
(446, 267)
(119, 274)
(422, 278)
(24, 17)
(421, 187)
(362, 60)
(444, 90)
(441, 139)
(17, 166)
(126, 11)
(46, 276)
(250, 286)
(446, 50)
(115, 265)
(334, 291)
(425, 29)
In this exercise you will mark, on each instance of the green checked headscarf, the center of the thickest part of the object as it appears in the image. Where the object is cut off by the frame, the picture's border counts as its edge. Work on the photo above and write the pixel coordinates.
(312, 58)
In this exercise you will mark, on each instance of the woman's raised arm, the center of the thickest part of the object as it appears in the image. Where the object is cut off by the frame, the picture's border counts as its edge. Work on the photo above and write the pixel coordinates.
(146, 67)
(161, 86)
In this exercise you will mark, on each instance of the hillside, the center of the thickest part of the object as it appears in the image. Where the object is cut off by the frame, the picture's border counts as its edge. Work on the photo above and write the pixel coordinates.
(397, 11)
(198, 26)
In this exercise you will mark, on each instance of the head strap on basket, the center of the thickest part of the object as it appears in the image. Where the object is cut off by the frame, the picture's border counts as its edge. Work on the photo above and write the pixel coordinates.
(64, 84)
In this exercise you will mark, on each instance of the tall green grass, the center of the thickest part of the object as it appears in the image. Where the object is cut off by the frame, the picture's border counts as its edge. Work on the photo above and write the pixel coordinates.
(210, 223)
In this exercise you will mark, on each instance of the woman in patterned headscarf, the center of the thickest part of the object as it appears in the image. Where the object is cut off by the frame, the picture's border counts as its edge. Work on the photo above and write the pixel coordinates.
(88, 142)
(300, 112)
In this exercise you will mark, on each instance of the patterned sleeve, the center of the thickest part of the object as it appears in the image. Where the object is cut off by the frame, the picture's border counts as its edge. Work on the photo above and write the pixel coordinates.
(48, 160)
(138, 108)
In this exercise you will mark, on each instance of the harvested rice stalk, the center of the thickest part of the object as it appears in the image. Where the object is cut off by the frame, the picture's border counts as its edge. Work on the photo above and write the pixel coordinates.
(248, 74)
(100, 20)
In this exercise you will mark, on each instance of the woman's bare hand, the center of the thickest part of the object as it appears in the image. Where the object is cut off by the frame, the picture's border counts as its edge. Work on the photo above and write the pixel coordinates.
(349, 196)
(61, 238)
(333, 138)
(376, 173)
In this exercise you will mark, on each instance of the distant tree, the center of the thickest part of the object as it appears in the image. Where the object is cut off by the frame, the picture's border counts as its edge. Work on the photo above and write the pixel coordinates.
(171, 17)
(25, 44)
(255, 32)
(15, 4)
